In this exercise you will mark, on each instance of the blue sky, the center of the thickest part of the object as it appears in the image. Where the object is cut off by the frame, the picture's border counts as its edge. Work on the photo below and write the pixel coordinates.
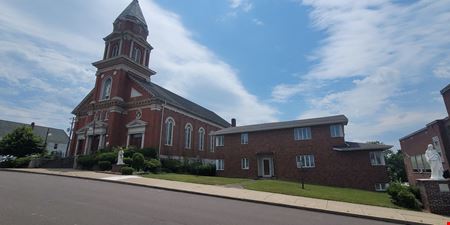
(381, 63)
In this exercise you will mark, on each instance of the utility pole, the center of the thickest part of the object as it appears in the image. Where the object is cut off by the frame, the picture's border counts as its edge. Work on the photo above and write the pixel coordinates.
(70, 136)
(46, 136)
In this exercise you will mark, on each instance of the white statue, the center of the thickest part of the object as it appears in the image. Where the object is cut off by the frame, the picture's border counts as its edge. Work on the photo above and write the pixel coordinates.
(120, 157)
(434, 159)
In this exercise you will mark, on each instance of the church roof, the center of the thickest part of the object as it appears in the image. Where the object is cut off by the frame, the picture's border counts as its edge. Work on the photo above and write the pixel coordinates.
(181, 103)
(133, 12)
(355, 146)
(56, 135)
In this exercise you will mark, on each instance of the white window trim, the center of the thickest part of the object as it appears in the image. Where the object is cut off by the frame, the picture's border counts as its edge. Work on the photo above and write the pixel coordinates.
(220, 141)
(220, 164)
(201, 139)
(245, 163)
(381, 186)
(188, 136)
(302, 133)
(341, 130)
(244, 138)
(375, 161)
(167, 141)
(309, 159)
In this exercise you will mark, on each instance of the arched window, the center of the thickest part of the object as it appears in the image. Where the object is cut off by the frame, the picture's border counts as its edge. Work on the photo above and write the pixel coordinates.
(106, 89)
(201, 138)
(170, 123)
(115, 50)
(187, 136)
(136, 55)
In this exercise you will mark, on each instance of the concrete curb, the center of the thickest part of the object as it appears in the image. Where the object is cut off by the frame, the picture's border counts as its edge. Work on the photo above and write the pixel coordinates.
(226, 197)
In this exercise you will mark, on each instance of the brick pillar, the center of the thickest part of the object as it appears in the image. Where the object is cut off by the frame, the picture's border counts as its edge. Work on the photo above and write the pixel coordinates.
(435, 195)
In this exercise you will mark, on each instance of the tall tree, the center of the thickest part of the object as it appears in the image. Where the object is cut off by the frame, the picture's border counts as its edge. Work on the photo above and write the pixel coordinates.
(396, 166)
(21, 142)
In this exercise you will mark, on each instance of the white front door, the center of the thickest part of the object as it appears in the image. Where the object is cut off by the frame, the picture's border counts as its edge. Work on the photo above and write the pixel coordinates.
(267, 167)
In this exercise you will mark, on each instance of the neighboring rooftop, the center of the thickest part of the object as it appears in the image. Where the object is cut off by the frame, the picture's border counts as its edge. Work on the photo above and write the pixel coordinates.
(181, 103)
(57, 135)
(355, 146)
(422, 129)
(134, 13)
(286, 124)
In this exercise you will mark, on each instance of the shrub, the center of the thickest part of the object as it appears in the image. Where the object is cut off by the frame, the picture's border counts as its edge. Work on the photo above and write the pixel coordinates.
(192, 168)
(152, 165)
(126, 170)
(138, 161)
(407, 199)
(21, 142)
(86, 161)
(22, 162)
(207, 170)
(104, 165)
(128, 161)
(128, 153)
(149, 153)
(9, 163)
(107, 156)
(393, 190)
(415, 190)
(405, 196)
(171, 165)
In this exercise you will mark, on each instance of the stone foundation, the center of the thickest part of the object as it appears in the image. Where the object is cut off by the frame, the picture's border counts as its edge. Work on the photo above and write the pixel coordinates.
(435, 195)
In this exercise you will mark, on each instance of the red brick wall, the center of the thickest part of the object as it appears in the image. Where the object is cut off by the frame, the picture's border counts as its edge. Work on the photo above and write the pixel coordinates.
(417, 144)
(345, 169)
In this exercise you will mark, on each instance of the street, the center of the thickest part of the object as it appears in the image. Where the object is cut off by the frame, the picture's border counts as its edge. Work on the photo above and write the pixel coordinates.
(46, 200)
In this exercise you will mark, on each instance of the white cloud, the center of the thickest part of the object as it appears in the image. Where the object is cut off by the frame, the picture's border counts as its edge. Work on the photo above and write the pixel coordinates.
(244, 5)
(257, 22)
(383, 47)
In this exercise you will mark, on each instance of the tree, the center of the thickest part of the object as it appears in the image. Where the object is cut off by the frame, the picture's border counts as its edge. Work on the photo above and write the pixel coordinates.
(21, 142)
(395, 166)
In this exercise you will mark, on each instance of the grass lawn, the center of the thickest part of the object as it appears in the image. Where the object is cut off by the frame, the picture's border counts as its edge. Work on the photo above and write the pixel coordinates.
(288, 188)
(322, 192)
(196, 179)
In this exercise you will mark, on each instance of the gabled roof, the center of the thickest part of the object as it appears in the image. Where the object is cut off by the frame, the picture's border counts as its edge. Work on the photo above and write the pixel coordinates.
(355, 146)
(85, 99)
(286, 124)
(57, 135)
(180, 102)
(133, 12)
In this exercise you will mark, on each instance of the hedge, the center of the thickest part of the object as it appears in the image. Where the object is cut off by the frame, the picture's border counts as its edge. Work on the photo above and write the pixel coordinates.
(126, 170)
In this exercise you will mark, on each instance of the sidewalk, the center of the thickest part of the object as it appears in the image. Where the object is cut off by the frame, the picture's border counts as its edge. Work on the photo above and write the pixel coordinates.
(342, 208)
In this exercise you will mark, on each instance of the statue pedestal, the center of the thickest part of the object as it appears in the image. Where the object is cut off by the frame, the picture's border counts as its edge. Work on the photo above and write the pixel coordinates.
(117, 168)
(435, 195)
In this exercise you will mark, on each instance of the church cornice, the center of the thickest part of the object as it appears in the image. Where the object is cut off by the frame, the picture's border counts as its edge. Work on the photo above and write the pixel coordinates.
(122, 62)
(127, 35)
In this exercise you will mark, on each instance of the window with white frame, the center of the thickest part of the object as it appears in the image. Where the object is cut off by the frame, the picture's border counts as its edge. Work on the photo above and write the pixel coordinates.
(219, 140)
(187, 136)
(170, 123)
(220, 164)
(381, 187)
(302, 133)
(211, 143)
(305, 161)
(201, 138)
(377, 158)
(244, 138)
(419, 164)
(136, 55)
(106, 89)
(245, 164)
(337, 130)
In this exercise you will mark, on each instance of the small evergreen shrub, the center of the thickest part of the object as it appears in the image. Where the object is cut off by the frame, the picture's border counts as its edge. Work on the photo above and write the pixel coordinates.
(415, 190)
(86, 161)
(127, 171)
(107, 156)
(405, 196)
(22, 162)
(207, 170)
(138, 161)
(104, 165)
(128, 161)
(128, 153)
(407, 199)
(10, 163)
(152, 165)
(171, 165)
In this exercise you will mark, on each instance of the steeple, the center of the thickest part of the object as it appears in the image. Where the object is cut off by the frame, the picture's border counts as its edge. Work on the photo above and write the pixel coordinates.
(133, 13)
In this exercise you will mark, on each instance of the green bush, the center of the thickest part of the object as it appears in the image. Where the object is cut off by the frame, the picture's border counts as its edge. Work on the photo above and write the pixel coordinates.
(171, 165)
(104, 165)
(10, 163)
(138, 161)
(407, 199)
(152, 165)
(22, 162)
(107, 156)
(128, 153)
(126, 170)
(128, 161)
(207, 170)
(86, 161)
(149, 153)
(415, 190)
(405, 196)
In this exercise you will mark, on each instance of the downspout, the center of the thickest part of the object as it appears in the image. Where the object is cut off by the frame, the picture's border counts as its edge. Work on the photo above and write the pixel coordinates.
(161, 129)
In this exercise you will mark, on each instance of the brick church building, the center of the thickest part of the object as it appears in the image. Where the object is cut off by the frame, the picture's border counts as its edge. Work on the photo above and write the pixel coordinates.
(126, 109)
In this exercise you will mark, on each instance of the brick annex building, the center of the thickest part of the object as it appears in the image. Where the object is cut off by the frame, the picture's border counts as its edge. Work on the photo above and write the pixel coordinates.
(126, 109)
(414, 145)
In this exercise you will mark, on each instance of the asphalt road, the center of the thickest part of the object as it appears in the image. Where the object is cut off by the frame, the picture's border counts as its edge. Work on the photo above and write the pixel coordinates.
(47, 200)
